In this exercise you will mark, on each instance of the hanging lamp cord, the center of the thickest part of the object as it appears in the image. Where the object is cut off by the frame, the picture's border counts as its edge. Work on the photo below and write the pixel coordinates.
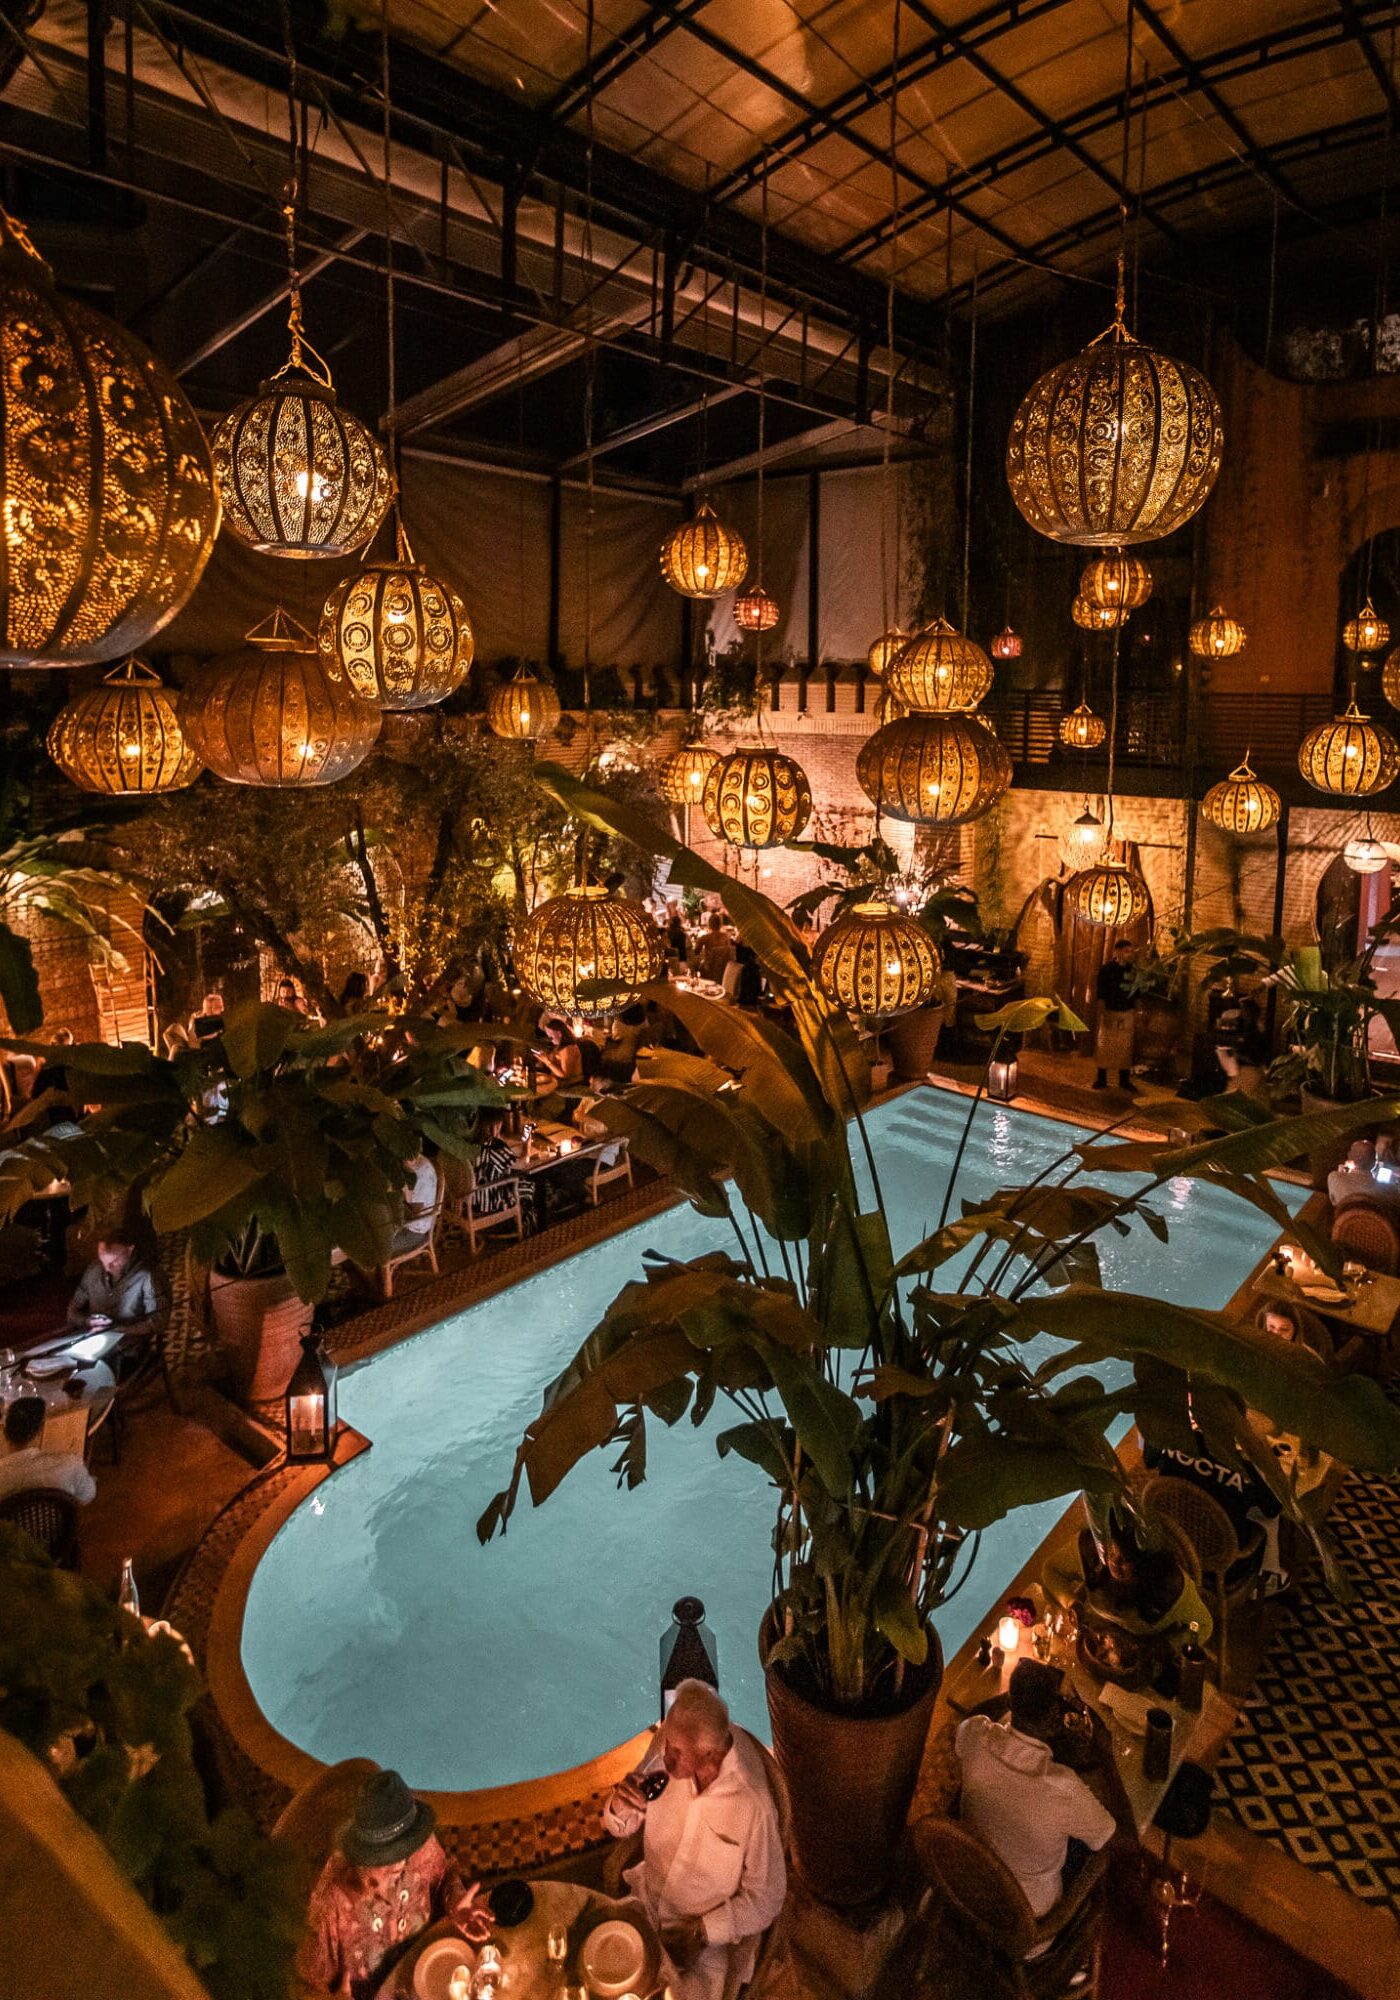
(391, 419)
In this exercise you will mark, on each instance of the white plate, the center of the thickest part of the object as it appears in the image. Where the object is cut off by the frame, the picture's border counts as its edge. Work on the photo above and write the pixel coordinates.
(1327, 1295)
(432, 1973)
(48, 1367)
(613, 1959)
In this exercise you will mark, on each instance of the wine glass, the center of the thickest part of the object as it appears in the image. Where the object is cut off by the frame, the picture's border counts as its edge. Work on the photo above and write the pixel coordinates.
(557, 1946)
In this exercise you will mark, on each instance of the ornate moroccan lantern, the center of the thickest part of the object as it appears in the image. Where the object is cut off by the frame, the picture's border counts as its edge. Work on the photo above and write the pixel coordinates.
(298, 475)
(757, 797)
(940, 670)
(703, 558)
(888, 707)
(756, 611)
(1109, 895)
(1365, 856)
(1118, 446)
(587, 952)
(123, 737)
(397, 635)
(1367, 632)
(1083, 840)
(108, 508)
(1081, 729)
(270, 716)
(681, 779)
(1217, 637)
(523, 708)
(1241, 803)
(1349, 757)
(876, 961)
(1091, 617)
(1390, 678)
(1116, 580)
(884, 649)
(935, 770)
(1006, 645)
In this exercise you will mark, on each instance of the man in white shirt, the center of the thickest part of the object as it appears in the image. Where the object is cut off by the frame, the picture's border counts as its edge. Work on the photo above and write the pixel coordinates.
(712, 1874)
(24, 1463)
(1026, 1807)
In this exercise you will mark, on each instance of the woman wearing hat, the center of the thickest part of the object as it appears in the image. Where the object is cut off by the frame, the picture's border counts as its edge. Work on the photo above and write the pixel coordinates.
(387, 1879)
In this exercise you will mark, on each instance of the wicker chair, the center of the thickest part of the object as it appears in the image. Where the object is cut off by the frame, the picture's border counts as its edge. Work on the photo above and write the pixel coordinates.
(312, 1816)
(614, 1163)
(1211, 1534)
(979, 1898)
(49, 1517)
(1369, 1233)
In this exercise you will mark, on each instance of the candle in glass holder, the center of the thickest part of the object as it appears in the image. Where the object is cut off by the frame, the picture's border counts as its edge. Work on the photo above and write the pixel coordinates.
(1009, 1634)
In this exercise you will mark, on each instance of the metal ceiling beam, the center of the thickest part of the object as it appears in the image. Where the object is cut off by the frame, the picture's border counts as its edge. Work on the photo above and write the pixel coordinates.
(620, 55)
(269, 302)
(538, 352)
(1381, 71)
(774, 454)
(660, 420)
(1322, 32)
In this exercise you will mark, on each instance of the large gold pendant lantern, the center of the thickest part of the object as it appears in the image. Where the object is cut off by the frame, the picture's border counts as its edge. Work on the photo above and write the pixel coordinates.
(396, 634)
(681, 779)
(1091, 617)
(123, 737)
(1367, 632)
(704, 558)
(1390, 678)
(1349, 757)
(756, 797)
(934, 770)
(1118, 446)
(1116, 581)
(884, 650)
(755, 610)
(271, 716)
(1081, 729)
(876, 961)
(108, 507)
(940, 671)
(1109, 895)
(1217, 637)
(524, 708)
(587, 952)
(1242, 803)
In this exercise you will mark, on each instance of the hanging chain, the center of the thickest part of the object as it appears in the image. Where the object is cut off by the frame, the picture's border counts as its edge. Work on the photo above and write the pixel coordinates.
(967, 473)
(762, 415)
(391, 420)
(590, 374)
(888, 621)
(303, 359)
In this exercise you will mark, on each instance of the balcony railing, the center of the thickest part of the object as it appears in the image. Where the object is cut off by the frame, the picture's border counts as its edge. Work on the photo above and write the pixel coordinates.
(1153, 730)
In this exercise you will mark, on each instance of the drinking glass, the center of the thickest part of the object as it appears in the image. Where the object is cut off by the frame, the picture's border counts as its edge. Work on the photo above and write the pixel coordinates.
(557, 1944)
(1042, 1643)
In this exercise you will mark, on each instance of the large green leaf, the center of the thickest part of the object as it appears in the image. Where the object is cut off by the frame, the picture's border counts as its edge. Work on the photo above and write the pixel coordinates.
(255, 1035)
(756, 1443)
(985, 1476)
(214, 1167)
(896, 1616)
(19, 982)
(826, 1421)
(1252, 1151)
(767, 1061)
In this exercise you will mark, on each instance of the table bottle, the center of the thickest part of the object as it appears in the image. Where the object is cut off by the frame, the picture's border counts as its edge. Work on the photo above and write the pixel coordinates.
(128, 1597)
(1157, 1746)
(1191, 1687)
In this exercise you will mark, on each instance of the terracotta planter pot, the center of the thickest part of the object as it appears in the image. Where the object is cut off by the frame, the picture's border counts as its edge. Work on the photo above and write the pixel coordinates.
(911, 1040)
(851, 1780)
(260, 1322)
(1158, 1030)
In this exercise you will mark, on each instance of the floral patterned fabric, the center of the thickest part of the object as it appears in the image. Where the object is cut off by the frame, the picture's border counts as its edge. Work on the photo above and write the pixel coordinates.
(351, 1933)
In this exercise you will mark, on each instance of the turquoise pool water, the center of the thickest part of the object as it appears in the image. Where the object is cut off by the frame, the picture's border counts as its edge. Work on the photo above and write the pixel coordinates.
(376, 1626)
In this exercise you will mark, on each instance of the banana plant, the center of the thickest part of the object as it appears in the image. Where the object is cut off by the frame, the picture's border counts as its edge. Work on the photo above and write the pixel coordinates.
(898, 1407)
(274, 1145)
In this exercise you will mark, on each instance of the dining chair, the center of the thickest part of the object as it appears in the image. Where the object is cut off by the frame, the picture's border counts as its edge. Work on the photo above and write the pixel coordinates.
(614, 1163)
(411, 1242)
(478, 1220)
(66, 1429)
(49, 1517)
(1217, 1548)
(979, 1900)
(1369, 1233)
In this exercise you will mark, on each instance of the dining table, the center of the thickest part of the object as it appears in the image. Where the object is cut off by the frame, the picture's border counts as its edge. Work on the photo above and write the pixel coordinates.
(1368, 1305)
(75, 1387)
(528, 1972)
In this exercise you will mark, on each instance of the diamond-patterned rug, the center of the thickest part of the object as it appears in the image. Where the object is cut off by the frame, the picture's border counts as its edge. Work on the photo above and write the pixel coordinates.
(1314, 1762)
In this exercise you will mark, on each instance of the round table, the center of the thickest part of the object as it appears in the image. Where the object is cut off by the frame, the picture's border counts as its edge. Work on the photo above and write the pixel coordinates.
(525, 1958)
(99, 1386)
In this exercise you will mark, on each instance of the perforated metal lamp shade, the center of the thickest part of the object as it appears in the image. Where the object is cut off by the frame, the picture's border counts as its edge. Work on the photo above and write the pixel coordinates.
(1109, 896)
(1367, 632)
(1091, 617)
(585, 940)
(934, 770)
(108, 507)
(396, 635)
(1390, 678)
(755, 610)
(1081, 729)
(1006, 645)
(940, 671)
(269, 715)
(1116, 580)
(1217, 637)
(756, 797)
(1349, 757)
(123, 737)
(876, 961)
(523, 708)
(681, 779)
(704, 558)
(1242, 803)
(1116, 447)
(298, 475)
(884, 649)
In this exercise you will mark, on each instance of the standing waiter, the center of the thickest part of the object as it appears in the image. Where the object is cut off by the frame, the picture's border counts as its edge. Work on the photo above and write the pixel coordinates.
(1113, 1036)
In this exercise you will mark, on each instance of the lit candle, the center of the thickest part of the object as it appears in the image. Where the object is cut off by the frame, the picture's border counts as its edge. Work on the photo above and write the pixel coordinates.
(1009, 1634)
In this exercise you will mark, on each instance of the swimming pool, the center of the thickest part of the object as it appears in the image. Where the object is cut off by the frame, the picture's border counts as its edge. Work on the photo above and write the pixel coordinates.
(375, 1624)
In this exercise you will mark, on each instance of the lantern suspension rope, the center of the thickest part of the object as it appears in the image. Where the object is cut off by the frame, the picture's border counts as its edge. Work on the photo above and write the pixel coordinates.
(391, 419)
(967, 470)
(590, 377)
(302, 351)
(1379, 309)
(886, 619)
(762, 414)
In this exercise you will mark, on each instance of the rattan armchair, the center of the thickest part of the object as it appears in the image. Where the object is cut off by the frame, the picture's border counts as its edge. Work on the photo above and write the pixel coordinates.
(49, 1517)
(977, 1896)
(1368, 1232)
(1204, 1523)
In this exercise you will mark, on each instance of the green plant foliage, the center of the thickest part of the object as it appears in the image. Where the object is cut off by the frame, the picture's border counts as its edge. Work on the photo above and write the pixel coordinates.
(896, 1407)
(106, 1707)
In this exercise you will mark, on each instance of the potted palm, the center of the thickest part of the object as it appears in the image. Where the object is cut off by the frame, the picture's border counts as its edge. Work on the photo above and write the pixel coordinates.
(891, 1403)
(274, 1146)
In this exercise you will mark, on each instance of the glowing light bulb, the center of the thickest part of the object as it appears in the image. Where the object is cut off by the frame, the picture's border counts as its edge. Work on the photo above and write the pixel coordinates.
(1351, 752)
(696, 781)
(892, 967)
(702, 571)
(312, 483)
(130, 748)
